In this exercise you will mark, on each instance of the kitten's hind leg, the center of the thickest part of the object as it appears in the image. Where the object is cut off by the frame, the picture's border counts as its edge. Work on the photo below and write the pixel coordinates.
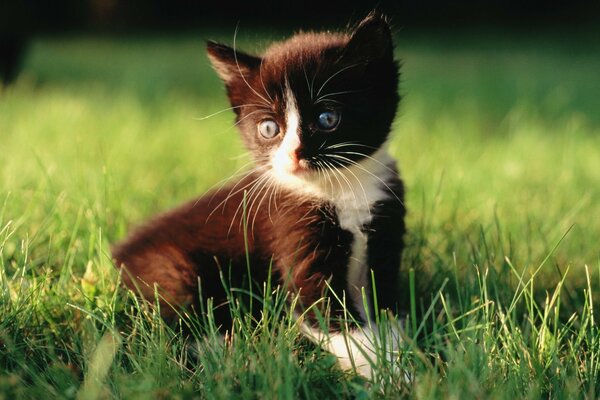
(162, 273)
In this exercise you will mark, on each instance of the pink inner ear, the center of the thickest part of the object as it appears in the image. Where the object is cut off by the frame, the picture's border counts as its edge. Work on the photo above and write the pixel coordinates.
(231, 64)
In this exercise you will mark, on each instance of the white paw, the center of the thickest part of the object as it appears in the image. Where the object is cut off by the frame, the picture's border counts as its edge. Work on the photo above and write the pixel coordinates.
(361, 348)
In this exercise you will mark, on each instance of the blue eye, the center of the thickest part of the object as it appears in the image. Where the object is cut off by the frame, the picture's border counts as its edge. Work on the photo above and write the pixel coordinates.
(268, 128)
(328, 120)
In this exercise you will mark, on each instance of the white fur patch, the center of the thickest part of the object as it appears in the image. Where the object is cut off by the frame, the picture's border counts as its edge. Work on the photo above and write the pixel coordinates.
(359, 349)
(283, 159)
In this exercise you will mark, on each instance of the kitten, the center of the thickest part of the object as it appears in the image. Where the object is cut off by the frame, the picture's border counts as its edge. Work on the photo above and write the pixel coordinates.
(321, 212)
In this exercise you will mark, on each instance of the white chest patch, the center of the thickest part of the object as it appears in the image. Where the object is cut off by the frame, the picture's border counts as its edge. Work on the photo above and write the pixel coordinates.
(365, 184)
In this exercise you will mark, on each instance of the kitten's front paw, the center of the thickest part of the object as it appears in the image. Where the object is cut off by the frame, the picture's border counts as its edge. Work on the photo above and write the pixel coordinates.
(362, 349)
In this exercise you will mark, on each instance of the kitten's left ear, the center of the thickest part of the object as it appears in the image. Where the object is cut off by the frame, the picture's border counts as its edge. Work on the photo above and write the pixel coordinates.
(231, 65)
(371, 40)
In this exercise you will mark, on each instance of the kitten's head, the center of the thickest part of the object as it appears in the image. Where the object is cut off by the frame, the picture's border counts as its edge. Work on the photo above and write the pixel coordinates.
(315, 101)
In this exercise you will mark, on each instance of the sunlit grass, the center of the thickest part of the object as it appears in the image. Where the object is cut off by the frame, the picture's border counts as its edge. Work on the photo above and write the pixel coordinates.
(500, 151)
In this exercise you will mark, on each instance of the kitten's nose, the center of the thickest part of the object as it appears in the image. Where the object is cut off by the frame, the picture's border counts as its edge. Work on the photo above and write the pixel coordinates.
(300, 160)
(294, 161)
(299, 153)
(294, 156)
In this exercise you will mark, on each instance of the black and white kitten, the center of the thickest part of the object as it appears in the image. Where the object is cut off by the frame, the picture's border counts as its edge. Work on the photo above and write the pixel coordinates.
(322, 211)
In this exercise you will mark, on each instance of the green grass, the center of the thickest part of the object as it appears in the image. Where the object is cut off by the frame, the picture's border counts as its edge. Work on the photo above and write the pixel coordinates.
(498, 140)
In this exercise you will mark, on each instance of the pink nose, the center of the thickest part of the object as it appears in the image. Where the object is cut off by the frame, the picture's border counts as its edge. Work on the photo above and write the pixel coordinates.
(294, 156)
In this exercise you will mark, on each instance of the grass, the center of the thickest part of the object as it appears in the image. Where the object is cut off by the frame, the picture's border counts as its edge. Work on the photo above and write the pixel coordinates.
(498, 140)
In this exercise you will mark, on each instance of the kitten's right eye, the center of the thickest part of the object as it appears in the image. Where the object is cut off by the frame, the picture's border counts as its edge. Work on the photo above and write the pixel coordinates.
(328, 120)
(268, 128)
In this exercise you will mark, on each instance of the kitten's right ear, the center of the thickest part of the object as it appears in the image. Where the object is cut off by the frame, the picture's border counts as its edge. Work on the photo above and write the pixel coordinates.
(371, 40)
(231, 65)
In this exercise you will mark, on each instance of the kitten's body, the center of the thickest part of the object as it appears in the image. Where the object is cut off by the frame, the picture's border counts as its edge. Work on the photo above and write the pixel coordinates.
(324, 206)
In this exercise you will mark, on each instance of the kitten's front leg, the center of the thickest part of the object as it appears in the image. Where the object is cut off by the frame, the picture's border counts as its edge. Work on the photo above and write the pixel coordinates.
(330, 317)
(315, 260)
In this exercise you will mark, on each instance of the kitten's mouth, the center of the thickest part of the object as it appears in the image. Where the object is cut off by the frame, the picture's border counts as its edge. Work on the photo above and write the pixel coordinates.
(299, 169)
(302, 167)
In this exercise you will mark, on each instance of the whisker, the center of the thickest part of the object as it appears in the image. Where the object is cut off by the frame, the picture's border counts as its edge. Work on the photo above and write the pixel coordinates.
(368, 172)
(268, 187)
(232, 193)
(350, 144)
(332, 171)
(272, 197)
(237, 172)
(336, 170)
(262, 82)
(357, 181)
(244, 117)
(242, 155)
(367, 156)
(228, 109)
(240, 70)
(312, 86)
(308, 85)
(334, 75)
(258, 192)
(325, 172)
(326, 96)
(249, 193)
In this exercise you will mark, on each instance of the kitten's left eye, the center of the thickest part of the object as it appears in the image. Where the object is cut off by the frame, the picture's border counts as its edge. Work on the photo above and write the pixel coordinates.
(268, 128)
(328, 120)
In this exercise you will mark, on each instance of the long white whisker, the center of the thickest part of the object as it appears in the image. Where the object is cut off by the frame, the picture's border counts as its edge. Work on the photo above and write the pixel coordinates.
(332, 170)
(228, 109)
(233, 192)
(237, 172)
(242, 155)
(335, 170)
(260, 190)
(334, 75)
(325, 173)
(366, 156)
(325, 96)
(266, 192)
(312, 86)
(250, 192)
(308, 85)
(349, 144)
(262, 82)
(244, 117)
(272, 197)
(357, 180)
(240, 70)
(368, 172)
